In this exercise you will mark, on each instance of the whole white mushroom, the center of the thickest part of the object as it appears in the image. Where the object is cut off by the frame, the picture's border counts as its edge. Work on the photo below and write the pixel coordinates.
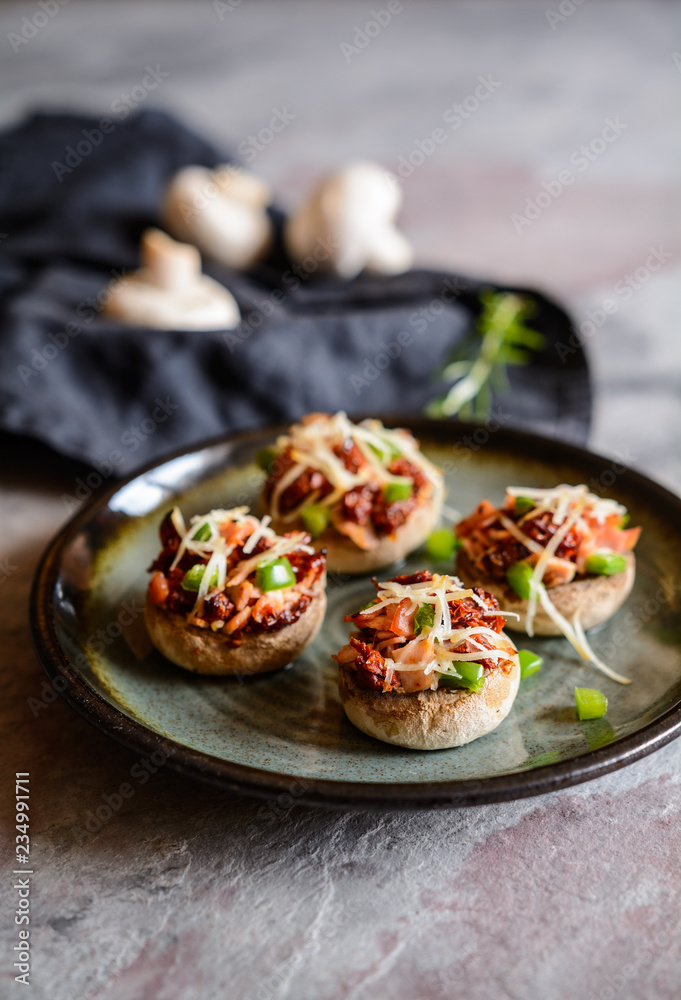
(350, 217)
(222, 212)
(169, 292)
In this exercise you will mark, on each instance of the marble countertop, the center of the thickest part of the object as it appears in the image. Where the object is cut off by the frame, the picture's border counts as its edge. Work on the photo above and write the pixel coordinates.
(191, 893)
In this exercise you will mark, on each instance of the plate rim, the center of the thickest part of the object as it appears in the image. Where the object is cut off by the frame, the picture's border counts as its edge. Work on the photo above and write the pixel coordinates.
(248, 780)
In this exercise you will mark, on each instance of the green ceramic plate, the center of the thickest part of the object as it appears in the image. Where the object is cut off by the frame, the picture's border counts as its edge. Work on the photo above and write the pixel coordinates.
(285, 734)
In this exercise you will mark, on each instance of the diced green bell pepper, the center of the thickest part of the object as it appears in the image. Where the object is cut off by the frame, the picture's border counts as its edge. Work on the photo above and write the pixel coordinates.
(530, 663)
(442, 545)
(591, 703)
(396, 491)
(523, 505)
(316, 519)
(193, 577)
(472, 676)
(275, 575)
(606, 563)
(265, 457)
(519, 576)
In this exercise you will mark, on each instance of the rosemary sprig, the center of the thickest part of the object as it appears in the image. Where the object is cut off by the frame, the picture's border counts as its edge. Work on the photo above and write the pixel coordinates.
(499, 338)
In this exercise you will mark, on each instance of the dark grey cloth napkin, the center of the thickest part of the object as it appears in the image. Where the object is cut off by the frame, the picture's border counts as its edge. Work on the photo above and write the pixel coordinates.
(106, 393)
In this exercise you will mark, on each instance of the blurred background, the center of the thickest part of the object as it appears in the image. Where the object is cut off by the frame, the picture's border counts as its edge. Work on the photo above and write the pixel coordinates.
(588, 87)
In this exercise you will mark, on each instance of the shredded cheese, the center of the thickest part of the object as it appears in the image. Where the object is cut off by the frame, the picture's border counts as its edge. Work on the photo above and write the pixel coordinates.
(288, 479)
(178, 521)
(311, 444)
(213, 519)
(441, 637)
(559, 499)
(217, 549)
(597, 662)
(281, 547)
(543, 561)
(575, 635)
(260, 532)
(217, 562)
(295, 513)
(519, 535)
(566, 505)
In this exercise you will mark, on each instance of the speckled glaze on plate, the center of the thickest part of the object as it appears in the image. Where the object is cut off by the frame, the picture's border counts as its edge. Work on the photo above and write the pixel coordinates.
(285, 734)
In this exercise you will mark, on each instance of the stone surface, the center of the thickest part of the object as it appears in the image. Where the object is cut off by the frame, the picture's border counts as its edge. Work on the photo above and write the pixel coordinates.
(189, 892)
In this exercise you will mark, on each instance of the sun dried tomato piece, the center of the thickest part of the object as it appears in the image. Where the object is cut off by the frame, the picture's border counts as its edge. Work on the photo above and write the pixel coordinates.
(423, 576)
(543, 528)
(218, 607)
(181, 600)
(283, 617)
(308, 481)
(357, 504)
(372, 673)
(350, 455)
(305, 563)
(158, 589)
(403, 467)
(168, 532)
(503, 553)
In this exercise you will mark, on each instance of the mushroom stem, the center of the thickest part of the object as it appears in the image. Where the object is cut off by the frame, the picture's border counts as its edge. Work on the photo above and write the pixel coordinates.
(168, 264)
